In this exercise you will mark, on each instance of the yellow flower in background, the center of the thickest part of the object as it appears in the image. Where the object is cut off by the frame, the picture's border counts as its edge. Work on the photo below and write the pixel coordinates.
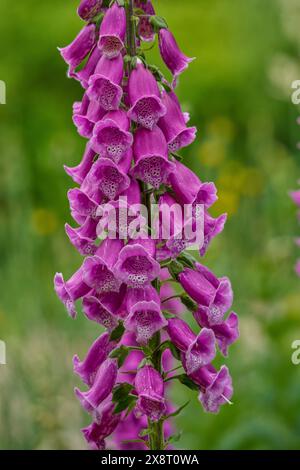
(228, 202)
(43, 221)
(220, 132)
(222, 127)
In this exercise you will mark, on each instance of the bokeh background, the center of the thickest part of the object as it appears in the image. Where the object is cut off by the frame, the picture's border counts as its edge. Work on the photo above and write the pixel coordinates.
(239, 95)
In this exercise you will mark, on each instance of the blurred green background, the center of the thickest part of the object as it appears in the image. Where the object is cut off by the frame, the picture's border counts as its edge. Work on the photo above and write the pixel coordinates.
(238, 92)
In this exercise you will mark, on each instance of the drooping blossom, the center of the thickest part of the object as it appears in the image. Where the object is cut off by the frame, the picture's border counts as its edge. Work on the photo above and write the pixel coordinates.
(112, 31)
(150, 389)
(89, 8)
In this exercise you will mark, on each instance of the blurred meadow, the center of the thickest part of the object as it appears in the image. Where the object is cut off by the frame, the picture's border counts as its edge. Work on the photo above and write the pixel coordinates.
(238, 92)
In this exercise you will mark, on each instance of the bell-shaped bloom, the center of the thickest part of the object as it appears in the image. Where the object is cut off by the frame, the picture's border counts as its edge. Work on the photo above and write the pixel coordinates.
(112, 31)
(211, 293)
(97, 354)
(102, 310)
(149, 386)
(102, 387)
(173, 124)
(71, 290)
(144, 313)
(226, 333)
(106, 179)
(96, 433)
(111, 136)
(89, 8)
(74, 54)
(105, 83)
(198, 350)
(184, 182)
(172, 56)
(212, 228)
(218, 393)
(86, 118)
(83, 75)
(136, 265)
(97, 271)
(81, 205)
(151, 157)
(84, 245)
(79, 172)
(146, 106)
(145, 29)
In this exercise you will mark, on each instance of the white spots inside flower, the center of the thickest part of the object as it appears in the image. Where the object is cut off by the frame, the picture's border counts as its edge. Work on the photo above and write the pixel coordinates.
(145, 327)
(106, 94)
(111, 46)
(113, 141)
(150, 171)
(175, 144)
(215, 314)
(147, 112)
(102, 280)
(110, 183)
(106, 319)
(138, 269)
(89, 249)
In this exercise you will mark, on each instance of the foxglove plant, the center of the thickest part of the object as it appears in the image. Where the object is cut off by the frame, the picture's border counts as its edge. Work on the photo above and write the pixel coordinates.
(129, 281)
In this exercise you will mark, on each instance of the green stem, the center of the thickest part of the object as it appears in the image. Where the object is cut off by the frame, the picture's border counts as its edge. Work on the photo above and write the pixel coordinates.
(156, 436)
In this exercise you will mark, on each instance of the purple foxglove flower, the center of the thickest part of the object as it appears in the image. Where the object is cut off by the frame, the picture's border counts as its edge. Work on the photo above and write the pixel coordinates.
(112, 31)
(226, 333)
(79, 172)
(198, 350)
(212, 228)
(107, 179)
(98, 270)
(83, 75)
(89, 8)
(185, 183)
(71, 290)
(211, 293)
(145, 317)
(97, 311)
(136, 265)
(97, 354)
(145, 29)
(144, 97)
(81, 205)
(151, 157)
(173, 124)
(74, 54)
(172, 56)
(85, 120)
(218, 392)
(96, 433)
(174, 305)
(102, 387)
(149, 386)
(105, 84)
(111, 136)
(84, 245)
(128, 430)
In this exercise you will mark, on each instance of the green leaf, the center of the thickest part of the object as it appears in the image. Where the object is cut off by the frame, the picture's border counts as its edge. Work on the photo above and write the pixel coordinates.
(117, 333)
(174, 438)
(121, 3)
(158, 23)
(189, 303)
(122, 405)
(185, 380)
(187, 260)
(121, 354)
(177, 412)
(175, 351)
(145, 432)
(121, 392)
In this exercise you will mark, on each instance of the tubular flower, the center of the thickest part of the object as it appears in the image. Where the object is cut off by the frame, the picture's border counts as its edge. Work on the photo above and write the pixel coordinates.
(134, 259)
(173, 57)
(112, 32)
(145, 98)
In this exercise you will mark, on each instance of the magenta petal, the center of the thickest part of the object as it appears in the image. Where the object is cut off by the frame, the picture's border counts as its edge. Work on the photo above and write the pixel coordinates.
(95, 311)
(87, 71)
(98, 352)
(295, 195)
(89, 8)
(71, 290)
(79, 172)
(145, 29)
(185, 183)
(112, 31)
(218, 393)
(173, 124)
(150, 389)
(107, 421)
(201, 352)
(174, 59)
(84, 245)
(180, 334)
(105, 84)
(74, 54)
(144, 96)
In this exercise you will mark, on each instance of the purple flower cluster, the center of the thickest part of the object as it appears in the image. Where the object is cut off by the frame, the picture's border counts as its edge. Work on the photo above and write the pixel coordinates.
(295, 195)
(134, 126)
